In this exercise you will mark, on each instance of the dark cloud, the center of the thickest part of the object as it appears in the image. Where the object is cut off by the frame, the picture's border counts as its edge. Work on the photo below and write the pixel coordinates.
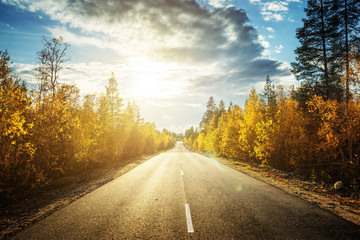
(259, 68)
(178, 31)
(222, 32)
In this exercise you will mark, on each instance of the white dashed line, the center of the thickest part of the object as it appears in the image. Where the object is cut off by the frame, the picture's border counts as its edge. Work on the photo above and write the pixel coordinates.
(188, 219)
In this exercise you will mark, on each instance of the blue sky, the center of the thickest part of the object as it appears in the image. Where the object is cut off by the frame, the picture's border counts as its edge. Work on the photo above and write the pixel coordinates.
(169, 56)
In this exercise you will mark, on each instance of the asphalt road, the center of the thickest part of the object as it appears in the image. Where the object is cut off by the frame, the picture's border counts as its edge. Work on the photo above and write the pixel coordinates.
(184, 195)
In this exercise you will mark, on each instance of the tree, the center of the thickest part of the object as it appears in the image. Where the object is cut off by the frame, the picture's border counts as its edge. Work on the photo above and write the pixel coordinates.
(50, 62)
(288, 145)
(230, 134)
(210, 111)
(17, 170)
(230, 108)
(317, 58)
(353, 77)
(89, 131)
(254, 115)
(347, 15)
(115, 102)
(269, 94)
(269, 97)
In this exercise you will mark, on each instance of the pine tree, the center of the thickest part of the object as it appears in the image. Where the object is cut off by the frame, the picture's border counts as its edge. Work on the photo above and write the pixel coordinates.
(269, 94)
(230, 108)
(317, 57)
(210, 111)
(269, 97)
(347, 15)
(115, 102)
(221, 109)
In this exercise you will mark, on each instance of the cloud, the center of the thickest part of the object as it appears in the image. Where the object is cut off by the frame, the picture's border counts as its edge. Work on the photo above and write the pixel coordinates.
(274, 10)
(278, 48)
(275, 7)
(270, 29)
(6, 26)
(75, 39)
(25, 71)
(189, 50)
(220, 3)
(263, 42)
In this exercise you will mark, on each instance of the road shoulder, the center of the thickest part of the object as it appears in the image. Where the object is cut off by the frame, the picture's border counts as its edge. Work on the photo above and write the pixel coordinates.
(342, 206)
(22, 214)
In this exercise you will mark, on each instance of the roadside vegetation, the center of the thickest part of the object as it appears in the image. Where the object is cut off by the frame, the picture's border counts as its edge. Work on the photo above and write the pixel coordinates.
(312, 129)
(49, 132)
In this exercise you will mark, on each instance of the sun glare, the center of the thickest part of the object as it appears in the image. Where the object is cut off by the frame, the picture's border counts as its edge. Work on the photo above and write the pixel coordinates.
(150, 79)
(147, 85)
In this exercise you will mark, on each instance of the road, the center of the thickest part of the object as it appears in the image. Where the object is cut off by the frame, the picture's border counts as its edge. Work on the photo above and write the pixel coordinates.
(184, 195)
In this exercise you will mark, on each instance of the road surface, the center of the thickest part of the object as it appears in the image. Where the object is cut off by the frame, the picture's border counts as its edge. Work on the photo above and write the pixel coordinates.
(184, 195)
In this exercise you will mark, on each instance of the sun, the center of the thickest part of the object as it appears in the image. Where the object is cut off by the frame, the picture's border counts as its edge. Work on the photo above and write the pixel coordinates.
(147, 84)
(150, 79)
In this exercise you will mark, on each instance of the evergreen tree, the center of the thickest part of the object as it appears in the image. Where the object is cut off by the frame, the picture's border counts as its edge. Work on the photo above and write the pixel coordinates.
(230, 108)
(347, 15)
(221, 109)
(218, 112)
(210, 111)
(115, 102)
(269, 97)
(269, 94)
(317, 59)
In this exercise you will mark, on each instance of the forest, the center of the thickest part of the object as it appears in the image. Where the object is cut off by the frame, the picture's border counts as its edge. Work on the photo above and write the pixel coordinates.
(313, 128)
(48, 131)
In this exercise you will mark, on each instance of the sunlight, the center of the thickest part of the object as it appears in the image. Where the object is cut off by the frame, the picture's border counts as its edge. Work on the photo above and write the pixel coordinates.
(147, 85)
(151, 79)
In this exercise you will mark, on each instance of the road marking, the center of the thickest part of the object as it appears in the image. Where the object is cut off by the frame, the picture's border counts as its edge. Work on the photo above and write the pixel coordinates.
(182, 172)
(188, 219)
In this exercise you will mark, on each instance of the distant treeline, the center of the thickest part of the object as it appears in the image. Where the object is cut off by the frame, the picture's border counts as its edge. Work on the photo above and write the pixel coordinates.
(50, 132)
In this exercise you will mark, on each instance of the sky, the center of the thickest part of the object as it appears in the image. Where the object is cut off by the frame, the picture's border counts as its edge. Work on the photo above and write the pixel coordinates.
(169, 56)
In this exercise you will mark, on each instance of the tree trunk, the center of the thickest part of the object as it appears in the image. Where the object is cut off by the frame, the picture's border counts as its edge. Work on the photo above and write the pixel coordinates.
(323, 38)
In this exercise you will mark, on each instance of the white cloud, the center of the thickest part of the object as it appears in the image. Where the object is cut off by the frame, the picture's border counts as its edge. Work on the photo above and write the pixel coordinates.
(220, 3)
(25, 72)
(275, 6)
(263, 42)
(268, 16)
(279, 48)
(291, 19)
(285, 81)
(274, 10)
(270, 29)
(265, 53)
